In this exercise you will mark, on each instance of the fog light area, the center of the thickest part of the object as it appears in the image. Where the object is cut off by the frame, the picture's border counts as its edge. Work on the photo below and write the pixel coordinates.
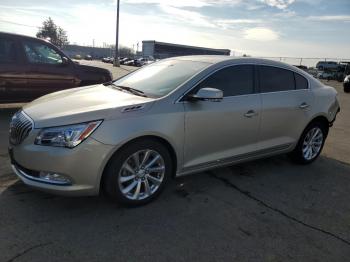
(54, 177)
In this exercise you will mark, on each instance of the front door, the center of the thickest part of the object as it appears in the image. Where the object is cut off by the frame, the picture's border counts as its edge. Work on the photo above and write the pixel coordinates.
(47, 70)
(218, 131)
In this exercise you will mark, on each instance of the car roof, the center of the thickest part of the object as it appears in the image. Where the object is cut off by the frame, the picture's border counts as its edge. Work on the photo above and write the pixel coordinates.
(21, 36)
(230, 60)
(215, 59)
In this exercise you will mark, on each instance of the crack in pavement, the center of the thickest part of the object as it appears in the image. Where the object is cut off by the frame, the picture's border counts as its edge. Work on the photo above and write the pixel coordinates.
(27, 250)
(227, 182)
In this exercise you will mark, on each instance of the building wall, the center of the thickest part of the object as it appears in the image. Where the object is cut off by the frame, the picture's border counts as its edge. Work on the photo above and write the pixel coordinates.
(148, 49)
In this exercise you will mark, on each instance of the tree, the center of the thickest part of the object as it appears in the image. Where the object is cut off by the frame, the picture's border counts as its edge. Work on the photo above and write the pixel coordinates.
(125, 51)
(55, 34)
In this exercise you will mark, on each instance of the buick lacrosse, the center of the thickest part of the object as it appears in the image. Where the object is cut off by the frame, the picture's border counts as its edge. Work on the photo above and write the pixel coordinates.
(177, 116)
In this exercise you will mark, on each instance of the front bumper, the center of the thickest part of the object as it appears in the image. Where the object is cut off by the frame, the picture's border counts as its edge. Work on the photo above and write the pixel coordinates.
(83, 165)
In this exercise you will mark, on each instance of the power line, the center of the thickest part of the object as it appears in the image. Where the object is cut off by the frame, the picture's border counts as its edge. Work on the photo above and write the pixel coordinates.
(14, 23)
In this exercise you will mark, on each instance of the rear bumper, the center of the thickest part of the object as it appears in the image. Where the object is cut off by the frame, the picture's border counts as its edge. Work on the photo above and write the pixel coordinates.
(335, 117)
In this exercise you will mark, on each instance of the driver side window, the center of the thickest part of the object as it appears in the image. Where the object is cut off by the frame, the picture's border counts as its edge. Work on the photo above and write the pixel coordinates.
(39, 53)
(233, 80)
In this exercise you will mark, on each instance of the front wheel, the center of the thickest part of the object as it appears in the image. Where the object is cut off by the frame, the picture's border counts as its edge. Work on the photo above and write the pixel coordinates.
(310, 143)
(138, 172)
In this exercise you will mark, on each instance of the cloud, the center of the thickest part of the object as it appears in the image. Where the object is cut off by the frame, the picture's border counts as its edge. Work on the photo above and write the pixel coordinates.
(337, 18)
(191, 17)
(185, 3)
(260, 34)
(176, 3)
(280, 4)
(230, 23)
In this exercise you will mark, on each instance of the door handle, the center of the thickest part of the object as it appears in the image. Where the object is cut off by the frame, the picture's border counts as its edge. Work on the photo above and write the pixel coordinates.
(250, 113)
(303, 106)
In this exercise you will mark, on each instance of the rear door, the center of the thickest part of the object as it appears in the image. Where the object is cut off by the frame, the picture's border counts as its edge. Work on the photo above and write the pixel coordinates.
(47, 71)
(12, 71)
(286, 103)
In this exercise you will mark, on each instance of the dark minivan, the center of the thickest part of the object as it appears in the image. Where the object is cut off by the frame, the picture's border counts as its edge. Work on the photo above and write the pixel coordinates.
(32, 67)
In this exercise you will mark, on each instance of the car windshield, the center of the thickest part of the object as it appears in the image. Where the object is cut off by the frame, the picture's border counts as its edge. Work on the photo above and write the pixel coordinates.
(160, 78)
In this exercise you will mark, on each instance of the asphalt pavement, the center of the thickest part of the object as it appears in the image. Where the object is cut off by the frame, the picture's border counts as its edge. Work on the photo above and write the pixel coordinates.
(265, 210)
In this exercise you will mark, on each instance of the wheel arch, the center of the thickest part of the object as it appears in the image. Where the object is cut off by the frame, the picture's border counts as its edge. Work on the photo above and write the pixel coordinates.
(320, 119)
(162, 140)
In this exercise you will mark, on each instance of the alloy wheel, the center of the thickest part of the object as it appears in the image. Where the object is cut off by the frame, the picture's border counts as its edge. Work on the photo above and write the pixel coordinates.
(141, 174)
(312, 143)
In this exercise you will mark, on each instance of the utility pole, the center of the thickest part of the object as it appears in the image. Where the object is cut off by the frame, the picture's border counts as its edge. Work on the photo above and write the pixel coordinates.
(116, 54)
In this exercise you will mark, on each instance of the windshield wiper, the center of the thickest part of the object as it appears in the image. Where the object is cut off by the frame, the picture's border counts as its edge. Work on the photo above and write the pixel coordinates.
(129, 89)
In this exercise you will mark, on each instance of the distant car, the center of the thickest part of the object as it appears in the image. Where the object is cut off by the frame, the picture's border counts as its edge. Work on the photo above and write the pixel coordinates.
(105, 59)
(143, 61)
(343, 71)
(178, 116)
(312, 71)
(88, 57)
(130, 62)
(77, 57)
(325, 75)
(301, 67)
(32, 67)
(123, 60)
(330, 65)
(346, 84)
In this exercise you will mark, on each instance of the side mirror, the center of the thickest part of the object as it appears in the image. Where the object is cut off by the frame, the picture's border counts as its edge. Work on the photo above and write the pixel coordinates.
(208, 94)
(65, 61)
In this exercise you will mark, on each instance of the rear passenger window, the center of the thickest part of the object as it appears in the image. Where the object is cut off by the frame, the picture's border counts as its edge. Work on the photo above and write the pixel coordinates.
(233, 81)
(273, 79)
(300, 82)
(7, 51)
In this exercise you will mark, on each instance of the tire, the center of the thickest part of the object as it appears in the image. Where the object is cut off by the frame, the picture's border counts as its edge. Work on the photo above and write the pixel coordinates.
(347, 88)
(126, 183)
(301, 154)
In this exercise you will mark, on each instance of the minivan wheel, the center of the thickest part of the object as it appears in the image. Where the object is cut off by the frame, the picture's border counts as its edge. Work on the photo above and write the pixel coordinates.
(347, 88)
(138, 172)
(310, 143)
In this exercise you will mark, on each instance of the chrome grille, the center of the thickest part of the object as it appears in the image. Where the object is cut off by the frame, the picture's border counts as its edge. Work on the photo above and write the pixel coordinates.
(20, 127)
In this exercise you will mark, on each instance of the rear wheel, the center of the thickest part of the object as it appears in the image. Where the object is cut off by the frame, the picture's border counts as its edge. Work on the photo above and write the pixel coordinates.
(310, 143)
(138, 173)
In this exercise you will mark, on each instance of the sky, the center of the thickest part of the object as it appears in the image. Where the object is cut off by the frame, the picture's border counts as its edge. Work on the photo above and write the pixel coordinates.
(293, 28)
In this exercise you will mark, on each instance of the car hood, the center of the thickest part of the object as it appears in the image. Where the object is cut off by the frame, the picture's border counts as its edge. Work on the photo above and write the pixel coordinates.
(82, 104)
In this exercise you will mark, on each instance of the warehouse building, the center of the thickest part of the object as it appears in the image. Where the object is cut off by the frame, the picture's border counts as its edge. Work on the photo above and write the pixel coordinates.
(160, 50)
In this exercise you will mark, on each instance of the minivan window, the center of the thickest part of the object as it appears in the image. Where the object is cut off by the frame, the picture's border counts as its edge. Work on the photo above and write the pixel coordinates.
(160, 78)
(300, 82)
(273, 79)
(39, 53)
(233, 80)
(7, 50)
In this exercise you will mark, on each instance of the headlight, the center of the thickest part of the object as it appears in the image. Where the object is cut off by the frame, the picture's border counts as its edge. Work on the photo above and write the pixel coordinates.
(66, 136)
